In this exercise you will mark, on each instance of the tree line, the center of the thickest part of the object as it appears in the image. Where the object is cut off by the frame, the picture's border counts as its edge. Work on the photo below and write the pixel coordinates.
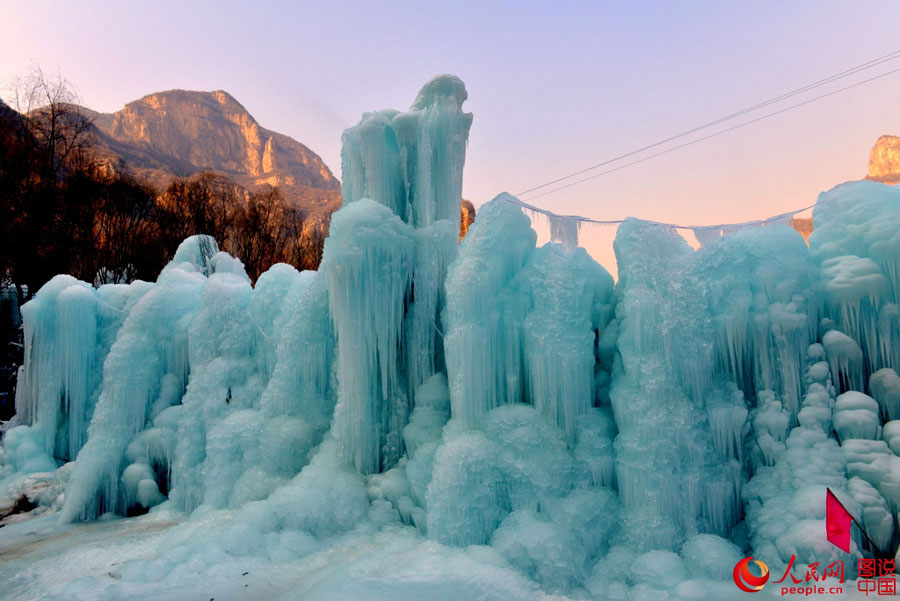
(64, 210)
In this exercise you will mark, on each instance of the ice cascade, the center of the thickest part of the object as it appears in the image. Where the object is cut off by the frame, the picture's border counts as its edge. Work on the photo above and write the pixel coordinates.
(508, 399)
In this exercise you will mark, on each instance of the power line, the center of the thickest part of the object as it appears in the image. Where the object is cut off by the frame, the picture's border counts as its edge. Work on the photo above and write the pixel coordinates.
(551, 215)
(830, 79)
(712, 135)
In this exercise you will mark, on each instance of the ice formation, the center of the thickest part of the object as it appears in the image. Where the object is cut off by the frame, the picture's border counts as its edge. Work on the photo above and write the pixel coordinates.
(493, 395)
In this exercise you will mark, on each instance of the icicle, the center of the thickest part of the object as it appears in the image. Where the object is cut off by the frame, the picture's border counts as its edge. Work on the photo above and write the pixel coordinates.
(436, 247)
(367, 263)
(564, 229)
(566, 287)
(855, 287)
(845, 360)
(727, 421)
(77, 308)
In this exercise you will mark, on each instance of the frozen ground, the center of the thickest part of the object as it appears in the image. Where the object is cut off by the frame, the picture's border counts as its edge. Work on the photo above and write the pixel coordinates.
(41, 559)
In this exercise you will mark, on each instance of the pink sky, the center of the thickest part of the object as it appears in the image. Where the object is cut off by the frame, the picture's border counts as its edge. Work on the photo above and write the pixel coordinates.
(554, 88)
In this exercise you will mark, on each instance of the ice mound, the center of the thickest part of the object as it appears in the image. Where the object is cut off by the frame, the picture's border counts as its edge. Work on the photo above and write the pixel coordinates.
(885, 387)
(856, 416)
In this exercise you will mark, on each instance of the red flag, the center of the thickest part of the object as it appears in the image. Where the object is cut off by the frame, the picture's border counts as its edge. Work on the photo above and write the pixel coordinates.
(837, 522)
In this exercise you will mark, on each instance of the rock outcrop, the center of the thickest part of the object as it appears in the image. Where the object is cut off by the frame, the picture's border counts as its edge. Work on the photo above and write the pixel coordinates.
(178, 133)
(467, 217)
(884, 160)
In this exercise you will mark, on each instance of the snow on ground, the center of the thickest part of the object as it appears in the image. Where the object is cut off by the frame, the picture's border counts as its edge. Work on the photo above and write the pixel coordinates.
(41, 559)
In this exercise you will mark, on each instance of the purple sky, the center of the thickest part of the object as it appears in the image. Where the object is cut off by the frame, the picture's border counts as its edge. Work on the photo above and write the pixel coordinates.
(554, 88)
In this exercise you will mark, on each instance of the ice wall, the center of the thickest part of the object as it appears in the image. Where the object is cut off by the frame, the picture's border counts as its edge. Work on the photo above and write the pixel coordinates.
(492, 393)
(680, 424)
(69, 328)
(744, 348)
(857, 246)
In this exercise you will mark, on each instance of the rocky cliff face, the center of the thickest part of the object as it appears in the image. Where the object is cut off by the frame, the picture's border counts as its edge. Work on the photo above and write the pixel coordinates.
(179, 133)
(884, 160)
(467, 217)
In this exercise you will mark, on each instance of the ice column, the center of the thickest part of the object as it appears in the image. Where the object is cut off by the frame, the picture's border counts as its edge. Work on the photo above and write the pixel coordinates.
(385, 267)
(367, 263)
(412, 162)
(60, 339)
(675, 477)
(571, 305)
(222, 341)
(484, 312)
(69, 327)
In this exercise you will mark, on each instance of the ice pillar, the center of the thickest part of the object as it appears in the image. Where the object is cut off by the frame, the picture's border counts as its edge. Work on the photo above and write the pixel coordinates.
(385, 266)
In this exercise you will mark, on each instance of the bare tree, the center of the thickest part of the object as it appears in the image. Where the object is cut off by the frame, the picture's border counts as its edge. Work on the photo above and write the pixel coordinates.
(255, 233)
(45, 138)
(49, 114)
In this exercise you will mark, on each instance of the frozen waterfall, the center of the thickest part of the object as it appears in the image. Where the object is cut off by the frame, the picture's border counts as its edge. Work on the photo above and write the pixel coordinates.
(489, 392)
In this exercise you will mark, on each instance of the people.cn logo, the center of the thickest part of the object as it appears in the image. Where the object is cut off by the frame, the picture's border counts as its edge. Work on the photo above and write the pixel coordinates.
(745, 580)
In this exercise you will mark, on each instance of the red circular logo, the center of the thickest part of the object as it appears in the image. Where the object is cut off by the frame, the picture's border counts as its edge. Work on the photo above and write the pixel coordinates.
(746, 581)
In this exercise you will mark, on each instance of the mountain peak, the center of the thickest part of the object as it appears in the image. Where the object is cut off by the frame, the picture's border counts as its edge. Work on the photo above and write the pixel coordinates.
(177, 95)
(176, 133)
